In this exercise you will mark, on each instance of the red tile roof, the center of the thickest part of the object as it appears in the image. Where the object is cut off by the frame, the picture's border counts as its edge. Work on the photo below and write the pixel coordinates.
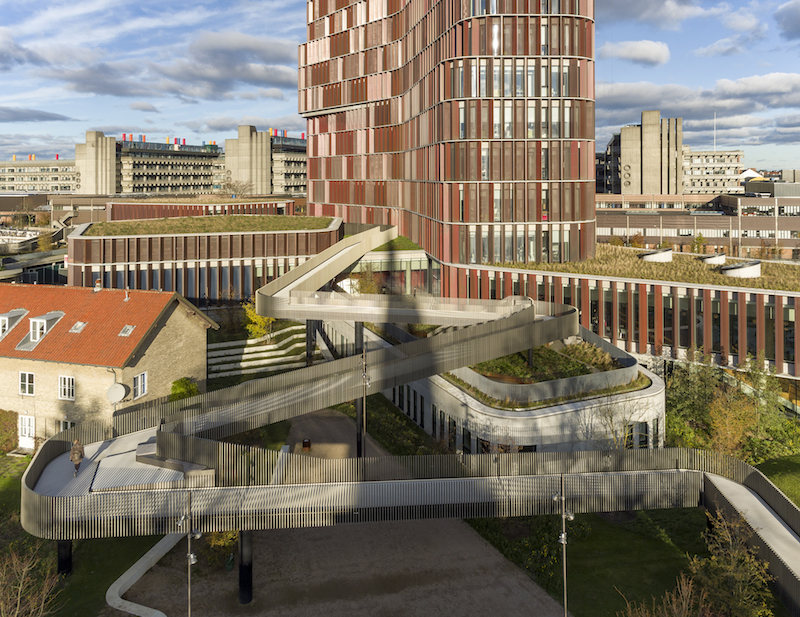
(105, 313)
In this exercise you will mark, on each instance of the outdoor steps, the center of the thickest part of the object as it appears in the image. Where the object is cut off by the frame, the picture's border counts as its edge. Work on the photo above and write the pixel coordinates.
(244, 342)
(248, 357)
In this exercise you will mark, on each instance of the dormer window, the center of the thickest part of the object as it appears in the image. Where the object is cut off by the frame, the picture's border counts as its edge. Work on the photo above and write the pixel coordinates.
(9, 320)
(38, 329)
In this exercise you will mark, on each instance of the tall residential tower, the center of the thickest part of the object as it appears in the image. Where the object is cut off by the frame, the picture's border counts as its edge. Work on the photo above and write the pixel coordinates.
(467, 123)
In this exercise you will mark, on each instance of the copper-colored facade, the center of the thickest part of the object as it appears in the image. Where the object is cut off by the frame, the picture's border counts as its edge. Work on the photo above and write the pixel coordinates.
(468, 124)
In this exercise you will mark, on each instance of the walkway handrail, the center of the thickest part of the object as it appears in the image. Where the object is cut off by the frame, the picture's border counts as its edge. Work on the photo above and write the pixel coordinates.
(249, 469)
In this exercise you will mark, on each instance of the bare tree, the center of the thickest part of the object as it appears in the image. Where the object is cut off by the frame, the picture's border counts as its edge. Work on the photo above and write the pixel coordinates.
(612, 424)
(239, 187)
(27, 585)
(686, 600)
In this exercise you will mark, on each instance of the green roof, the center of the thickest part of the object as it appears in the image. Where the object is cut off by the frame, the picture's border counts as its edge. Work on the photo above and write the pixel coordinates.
(207, 224)
(622, 262)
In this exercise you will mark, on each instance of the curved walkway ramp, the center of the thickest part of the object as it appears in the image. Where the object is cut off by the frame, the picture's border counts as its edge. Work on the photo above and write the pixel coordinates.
(234, 487)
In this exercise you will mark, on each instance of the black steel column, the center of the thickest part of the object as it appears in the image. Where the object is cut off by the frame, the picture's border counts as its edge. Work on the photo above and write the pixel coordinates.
(64, 557)
(311, 325)
(359, 403)
(245, 567)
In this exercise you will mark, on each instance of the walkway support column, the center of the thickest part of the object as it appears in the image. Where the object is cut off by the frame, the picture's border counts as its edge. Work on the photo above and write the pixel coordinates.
(64, 557)
(359, 403)
(311, 330)
(245, 567)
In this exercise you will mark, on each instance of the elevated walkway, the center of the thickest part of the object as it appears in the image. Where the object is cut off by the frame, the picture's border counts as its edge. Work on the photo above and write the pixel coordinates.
(117, 496)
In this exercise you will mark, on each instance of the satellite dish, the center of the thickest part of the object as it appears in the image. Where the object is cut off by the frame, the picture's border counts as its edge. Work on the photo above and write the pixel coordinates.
(116, 393)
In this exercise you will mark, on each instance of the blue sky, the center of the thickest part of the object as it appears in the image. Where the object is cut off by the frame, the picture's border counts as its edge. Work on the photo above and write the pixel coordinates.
(197, 70)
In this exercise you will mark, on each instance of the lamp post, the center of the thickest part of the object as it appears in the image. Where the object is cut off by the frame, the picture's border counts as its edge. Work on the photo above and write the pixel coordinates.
(362, 421)
(191, 558)
(562, 537)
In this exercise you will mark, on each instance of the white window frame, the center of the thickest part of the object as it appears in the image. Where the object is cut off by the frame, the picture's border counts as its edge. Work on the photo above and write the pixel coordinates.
(64, 425)
(139, 385)
(26, 384)
(3, 325)
(38, 329)
(66, 388)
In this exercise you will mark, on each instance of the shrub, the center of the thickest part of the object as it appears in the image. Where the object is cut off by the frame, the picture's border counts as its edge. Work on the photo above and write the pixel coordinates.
(183, 388)
(637, 241)
(8, 430)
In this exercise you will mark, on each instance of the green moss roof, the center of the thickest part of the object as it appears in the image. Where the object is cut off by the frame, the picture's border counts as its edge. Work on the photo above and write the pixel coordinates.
(207, 224)
(621, 262)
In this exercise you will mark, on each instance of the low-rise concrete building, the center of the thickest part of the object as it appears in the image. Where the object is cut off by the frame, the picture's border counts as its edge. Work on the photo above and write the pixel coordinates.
(71, 354)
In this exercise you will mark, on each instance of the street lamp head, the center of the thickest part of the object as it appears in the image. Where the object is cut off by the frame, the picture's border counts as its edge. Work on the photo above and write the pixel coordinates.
(569, 515)
(196, 535)
(182, 520)
(192, 558)
(556, 496)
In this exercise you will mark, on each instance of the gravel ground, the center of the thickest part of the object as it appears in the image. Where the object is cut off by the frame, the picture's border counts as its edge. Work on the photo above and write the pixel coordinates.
(436, 567)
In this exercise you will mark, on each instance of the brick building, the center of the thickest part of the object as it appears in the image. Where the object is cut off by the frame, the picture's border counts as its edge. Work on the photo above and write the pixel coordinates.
(469, 125)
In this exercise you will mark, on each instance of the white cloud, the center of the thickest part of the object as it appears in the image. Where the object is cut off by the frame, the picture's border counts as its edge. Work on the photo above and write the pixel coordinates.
(12, 54)
(228, 123)
(745, 108)
(668, 14)
(142, 106)
(20, 114)
(742, 20)
(787, 17)
(646, 53)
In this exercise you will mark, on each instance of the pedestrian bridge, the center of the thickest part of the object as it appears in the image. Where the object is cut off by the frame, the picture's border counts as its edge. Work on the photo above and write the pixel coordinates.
(148, 467)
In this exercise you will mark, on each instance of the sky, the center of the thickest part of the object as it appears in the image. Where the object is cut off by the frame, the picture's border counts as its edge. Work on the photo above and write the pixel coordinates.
(197, 70)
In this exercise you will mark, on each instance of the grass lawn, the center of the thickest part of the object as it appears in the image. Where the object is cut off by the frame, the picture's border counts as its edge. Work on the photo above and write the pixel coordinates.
(400, 243)
(392, 429)
(207, 224)
(785, 474)
(640, 558)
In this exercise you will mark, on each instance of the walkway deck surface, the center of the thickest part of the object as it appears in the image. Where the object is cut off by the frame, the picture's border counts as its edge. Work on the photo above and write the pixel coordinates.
(770, 528)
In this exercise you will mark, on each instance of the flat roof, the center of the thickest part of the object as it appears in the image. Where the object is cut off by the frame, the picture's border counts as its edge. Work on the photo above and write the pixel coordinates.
(623, 262)
(207, 224)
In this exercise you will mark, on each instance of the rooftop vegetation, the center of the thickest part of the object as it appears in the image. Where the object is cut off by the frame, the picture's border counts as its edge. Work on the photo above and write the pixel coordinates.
(640, 383)
(207, 224)
(616, 261)
(400, 243)
(209, 199)
(547, 363)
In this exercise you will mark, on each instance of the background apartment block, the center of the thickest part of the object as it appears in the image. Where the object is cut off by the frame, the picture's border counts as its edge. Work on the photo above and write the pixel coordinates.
(646, 158)
(43, 176)
(270, 164)
(264, 163)
(710, 171)
(650, 159)
(470, 126)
